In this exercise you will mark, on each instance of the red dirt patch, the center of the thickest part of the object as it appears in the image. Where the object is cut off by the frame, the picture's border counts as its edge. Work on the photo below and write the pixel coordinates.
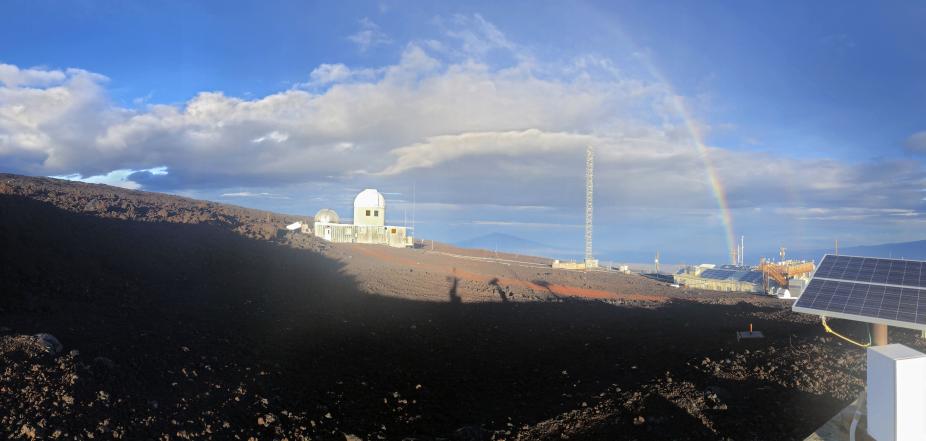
(572, 291)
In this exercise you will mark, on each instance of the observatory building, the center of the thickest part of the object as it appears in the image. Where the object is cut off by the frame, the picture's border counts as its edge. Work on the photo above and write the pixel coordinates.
(368, 226)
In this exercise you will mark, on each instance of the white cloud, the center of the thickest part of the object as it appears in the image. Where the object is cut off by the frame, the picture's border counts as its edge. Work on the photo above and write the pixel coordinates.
(274, 136)
(248, 194)
(117, 178)
(439, 149)
(466, 131)
(370, 35)
(477, 35)
(329, 73)
(13, 76)
(848, 213)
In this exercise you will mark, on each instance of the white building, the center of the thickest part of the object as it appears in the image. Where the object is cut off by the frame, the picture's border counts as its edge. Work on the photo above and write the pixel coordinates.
(370, 208)
(369, 224)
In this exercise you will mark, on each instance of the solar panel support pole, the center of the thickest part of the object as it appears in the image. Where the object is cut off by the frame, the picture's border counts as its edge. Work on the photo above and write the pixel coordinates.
(878, 334)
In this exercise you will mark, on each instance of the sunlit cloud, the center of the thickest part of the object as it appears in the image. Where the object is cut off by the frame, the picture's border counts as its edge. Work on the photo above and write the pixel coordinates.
(116, 178)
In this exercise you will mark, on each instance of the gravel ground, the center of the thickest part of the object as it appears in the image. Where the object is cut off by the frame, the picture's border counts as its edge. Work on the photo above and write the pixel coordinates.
(215, 325)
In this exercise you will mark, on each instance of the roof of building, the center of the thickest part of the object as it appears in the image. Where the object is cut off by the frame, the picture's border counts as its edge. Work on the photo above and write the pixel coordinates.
(370, 198)
(729, 272)
(327, 216)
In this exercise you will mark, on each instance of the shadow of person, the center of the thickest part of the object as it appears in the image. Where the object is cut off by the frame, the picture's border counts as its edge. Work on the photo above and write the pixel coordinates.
(454, 282)
(546, 285)
(499, 289)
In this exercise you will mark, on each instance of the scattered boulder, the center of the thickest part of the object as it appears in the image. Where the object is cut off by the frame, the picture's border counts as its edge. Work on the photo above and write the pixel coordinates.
(51, 344)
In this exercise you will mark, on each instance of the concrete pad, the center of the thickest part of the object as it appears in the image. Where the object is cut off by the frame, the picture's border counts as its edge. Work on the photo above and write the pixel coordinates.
(837, 428)
(749, 334)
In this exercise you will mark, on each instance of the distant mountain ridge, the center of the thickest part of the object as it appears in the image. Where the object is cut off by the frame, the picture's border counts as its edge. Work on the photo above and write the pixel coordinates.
(509, 244)
(914, 250)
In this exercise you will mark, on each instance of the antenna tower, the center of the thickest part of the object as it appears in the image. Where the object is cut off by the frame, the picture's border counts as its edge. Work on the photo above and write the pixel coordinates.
(742, 252)
(589, 187)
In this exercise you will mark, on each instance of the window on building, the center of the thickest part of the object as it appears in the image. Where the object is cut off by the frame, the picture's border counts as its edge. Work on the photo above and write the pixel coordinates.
(393, 231)
(368, 212)
(376, 213)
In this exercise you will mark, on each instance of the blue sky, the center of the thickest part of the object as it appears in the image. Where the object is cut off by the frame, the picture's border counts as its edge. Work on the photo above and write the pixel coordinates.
(811, 113)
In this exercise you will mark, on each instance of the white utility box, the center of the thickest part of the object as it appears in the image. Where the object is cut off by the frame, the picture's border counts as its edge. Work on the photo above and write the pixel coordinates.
(896, 393)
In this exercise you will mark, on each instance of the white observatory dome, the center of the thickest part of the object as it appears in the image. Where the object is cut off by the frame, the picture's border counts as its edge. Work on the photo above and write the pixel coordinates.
(327, 216)
(370, 198)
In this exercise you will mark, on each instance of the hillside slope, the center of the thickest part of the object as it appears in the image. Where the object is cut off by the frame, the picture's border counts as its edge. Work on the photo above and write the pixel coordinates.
(118, 203)
(184, 326)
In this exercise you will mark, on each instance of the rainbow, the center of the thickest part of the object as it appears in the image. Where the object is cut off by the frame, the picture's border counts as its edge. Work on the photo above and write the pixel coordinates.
(690, 125)
(716, 187)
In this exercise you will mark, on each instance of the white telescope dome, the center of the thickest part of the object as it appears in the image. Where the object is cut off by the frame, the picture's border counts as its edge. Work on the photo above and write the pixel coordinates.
(327, 216)
(370, 198)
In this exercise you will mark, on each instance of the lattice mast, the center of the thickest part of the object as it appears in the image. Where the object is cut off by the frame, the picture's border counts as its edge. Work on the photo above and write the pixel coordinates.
(742, 252)
(589, 191)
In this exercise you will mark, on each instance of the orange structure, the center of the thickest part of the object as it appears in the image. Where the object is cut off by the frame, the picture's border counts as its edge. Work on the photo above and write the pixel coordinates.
(781, 272)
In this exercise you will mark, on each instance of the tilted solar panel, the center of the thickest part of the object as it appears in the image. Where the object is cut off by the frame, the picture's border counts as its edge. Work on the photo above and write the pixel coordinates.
(873, 270)
(867, 289)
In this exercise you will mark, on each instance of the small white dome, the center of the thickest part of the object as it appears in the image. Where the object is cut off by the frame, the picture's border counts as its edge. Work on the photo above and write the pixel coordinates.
(327, 216)
(370, 198)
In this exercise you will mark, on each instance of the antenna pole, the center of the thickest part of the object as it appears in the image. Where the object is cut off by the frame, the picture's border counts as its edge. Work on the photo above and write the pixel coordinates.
(742, 250)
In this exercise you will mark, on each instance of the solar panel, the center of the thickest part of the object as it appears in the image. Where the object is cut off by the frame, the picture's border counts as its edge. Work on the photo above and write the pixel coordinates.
(752, 277)
(732, 274)
(873, 270)
(715, 274)
(868, 289)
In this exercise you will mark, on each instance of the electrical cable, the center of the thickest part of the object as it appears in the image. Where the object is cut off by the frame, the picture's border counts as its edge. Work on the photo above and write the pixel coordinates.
(831, 331)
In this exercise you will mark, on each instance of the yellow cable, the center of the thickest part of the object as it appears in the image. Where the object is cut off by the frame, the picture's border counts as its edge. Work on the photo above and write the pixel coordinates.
(831, 331)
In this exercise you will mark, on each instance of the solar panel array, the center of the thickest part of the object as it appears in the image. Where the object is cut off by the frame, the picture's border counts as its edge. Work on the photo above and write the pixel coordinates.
(752, 277)
(733, 274)
(889, 291)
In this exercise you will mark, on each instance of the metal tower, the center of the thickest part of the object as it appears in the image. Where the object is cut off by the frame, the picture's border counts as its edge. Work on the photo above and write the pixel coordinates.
(589, 187)
(742, 252)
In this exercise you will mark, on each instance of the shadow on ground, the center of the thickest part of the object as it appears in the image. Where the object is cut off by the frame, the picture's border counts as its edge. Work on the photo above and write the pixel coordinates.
(267, 329)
